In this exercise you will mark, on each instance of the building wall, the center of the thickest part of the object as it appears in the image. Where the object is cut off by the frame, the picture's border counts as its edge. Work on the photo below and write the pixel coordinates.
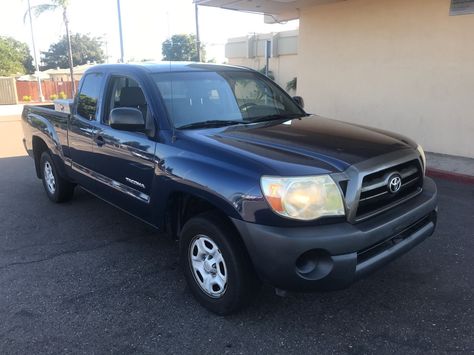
(283, 67)
(401, 65)
(250, 52)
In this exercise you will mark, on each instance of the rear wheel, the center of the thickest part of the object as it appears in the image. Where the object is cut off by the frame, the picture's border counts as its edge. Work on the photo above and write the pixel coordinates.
(57, 189)
(216, 265)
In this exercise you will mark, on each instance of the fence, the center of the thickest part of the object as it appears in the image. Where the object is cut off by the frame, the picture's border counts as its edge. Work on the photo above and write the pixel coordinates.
(8, 94)
(30, 89)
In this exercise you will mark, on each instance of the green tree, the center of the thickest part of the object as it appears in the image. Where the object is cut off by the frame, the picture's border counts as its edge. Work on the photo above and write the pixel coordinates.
(15, 57)
(63, 6)
(182, 48)
(84, 49)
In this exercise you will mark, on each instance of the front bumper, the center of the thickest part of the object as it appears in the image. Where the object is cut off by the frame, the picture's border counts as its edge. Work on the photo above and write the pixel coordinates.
(328, 257)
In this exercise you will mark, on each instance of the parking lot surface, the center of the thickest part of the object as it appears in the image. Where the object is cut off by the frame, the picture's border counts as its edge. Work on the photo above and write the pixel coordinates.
(84, 277)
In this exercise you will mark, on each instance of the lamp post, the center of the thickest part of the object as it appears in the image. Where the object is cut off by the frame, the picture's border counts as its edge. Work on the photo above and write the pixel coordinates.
(268, 53)
(122, 57)
(198, 41)
(40, 89)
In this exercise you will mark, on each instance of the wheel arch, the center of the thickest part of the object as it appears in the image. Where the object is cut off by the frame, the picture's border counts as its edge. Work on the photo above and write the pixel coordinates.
(39, 146)
(183, 205)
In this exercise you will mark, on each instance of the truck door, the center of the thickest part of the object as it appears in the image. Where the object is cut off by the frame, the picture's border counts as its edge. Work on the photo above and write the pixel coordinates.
(82, 126)
(125, 160)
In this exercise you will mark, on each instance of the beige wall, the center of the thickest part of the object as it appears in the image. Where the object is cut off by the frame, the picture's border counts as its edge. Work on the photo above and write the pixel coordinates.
(249, 51)
(402, 65)
(283, 67)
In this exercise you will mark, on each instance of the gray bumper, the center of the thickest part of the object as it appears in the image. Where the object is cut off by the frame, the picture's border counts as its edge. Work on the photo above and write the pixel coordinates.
(335, 255)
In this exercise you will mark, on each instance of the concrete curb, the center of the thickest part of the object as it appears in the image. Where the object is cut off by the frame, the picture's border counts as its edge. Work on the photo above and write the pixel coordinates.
(449, 175)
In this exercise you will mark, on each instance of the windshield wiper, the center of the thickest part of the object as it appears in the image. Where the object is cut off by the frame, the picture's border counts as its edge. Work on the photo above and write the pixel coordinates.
(223, 123)
(279, 116)
(210, 123)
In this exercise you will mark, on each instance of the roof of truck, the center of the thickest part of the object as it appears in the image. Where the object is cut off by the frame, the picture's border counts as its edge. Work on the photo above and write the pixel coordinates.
(163, 67)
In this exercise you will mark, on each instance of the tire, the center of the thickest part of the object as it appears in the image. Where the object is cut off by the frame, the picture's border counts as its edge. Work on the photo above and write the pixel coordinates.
(57, 189)
(228, 281)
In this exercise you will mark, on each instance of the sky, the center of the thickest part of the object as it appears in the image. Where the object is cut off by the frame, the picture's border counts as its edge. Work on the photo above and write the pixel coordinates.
(146, 24)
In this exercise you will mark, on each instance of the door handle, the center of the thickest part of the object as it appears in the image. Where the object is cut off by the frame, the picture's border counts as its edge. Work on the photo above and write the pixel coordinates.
(99, 140)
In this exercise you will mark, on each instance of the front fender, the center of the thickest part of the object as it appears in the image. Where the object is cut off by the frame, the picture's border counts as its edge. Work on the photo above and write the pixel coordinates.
(226, 186)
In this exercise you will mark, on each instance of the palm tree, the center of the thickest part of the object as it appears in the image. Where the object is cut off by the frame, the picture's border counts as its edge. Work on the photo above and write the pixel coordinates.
(63, 6)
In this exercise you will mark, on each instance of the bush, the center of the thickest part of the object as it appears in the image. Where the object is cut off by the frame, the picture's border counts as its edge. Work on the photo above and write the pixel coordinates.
(62, 95)
(291, 85)
(270, 73)
(26, 98)
(53, 97)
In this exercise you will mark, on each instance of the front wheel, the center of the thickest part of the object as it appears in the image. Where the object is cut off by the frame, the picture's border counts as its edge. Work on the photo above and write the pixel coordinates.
(57, 189)
(216, 265)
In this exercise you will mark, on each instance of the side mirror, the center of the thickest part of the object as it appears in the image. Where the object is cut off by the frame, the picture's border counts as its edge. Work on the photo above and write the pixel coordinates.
(127, 119)
(299, 101)
(63, 105)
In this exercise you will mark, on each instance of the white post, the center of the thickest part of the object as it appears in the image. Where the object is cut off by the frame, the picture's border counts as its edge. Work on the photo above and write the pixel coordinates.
(268, 52)
(37, 72)
(198, 40)
(119, 15)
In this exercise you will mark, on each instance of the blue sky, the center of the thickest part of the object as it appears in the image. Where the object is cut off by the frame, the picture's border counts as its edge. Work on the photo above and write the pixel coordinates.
(146, 24)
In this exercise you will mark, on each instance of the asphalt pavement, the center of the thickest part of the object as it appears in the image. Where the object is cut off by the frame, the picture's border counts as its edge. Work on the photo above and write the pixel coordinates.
(84, 277)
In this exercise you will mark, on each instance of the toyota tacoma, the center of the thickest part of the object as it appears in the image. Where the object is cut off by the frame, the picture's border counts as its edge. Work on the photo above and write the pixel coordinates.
(226, 162)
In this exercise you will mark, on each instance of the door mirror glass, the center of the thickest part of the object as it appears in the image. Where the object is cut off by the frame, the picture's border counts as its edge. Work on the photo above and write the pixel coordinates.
(299, 101)
(127, 119)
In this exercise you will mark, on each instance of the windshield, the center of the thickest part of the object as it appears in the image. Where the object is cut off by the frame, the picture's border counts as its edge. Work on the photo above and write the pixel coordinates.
(227, 97)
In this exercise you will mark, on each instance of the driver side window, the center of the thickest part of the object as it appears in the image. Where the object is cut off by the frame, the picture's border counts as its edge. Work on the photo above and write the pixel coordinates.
(126, 92)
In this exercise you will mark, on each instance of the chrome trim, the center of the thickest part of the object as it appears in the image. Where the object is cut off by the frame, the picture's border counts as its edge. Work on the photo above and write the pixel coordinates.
(135, 182)
(111, 183)
(410, 181)
(374, 196)
(68, 161)
(386, 192)
(389, 206)
(355, 174)
(384, 180)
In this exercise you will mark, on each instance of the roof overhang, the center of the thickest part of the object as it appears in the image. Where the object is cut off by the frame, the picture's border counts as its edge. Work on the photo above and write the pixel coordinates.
(276, 10)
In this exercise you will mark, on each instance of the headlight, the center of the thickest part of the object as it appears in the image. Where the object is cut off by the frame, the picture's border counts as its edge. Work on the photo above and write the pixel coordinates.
(304, 198)
(423, 157)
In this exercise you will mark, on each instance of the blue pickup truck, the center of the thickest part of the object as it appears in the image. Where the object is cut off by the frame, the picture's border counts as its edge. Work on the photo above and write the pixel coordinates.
(254, 188)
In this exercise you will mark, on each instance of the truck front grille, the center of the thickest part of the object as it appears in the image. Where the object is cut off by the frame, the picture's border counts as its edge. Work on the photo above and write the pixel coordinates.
(375, 196)
(379, 248)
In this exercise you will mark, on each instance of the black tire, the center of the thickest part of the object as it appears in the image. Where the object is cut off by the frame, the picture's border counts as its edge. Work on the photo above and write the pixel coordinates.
(242, 283)
(63, 190)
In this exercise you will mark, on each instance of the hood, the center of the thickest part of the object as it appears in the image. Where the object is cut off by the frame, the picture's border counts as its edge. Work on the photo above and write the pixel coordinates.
(311, 141)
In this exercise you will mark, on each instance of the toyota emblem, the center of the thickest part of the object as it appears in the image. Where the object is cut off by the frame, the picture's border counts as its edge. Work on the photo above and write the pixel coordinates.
(394, 183)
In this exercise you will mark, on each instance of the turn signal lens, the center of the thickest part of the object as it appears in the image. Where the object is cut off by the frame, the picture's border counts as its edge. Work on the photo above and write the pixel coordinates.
(304, 198)
(423, 157)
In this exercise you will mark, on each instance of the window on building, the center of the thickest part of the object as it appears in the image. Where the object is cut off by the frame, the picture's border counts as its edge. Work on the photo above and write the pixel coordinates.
(461, 7)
